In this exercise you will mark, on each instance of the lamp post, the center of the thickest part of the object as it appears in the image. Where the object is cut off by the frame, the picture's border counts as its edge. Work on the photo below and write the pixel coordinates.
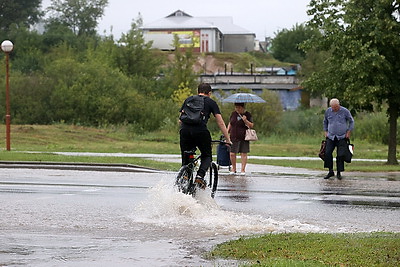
(7, 46)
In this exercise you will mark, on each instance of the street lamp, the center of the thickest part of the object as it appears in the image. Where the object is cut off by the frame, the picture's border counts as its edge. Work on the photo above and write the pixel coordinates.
(7, 46)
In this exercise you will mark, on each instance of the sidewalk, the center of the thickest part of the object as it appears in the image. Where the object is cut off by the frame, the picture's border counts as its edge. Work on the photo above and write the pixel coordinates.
(251, 168)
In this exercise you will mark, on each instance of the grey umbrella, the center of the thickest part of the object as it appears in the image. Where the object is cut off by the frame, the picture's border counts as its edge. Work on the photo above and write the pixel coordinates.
(244, 98)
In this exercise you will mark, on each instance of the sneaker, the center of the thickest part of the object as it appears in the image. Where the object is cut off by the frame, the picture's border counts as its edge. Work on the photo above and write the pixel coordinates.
(339, 176)
(232, 173)
(200, 182)
(242, 173)
(329, 175)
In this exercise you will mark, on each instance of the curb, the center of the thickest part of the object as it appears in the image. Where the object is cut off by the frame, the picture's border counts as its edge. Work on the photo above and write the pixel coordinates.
(75, 166)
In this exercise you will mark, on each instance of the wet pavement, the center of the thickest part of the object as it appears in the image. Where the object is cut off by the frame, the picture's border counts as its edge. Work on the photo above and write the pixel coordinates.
(128, 216)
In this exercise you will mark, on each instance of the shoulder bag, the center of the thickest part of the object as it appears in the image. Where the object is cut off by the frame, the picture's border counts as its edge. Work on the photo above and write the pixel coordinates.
(251, 134)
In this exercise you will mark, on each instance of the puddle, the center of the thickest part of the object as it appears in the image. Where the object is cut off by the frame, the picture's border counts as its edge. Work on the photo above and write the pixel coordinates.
(165, 207)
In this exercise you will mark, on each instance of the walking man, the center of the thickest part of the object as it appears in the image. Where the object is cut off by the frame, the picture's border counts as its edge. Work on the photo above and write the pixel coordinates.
(338, 124)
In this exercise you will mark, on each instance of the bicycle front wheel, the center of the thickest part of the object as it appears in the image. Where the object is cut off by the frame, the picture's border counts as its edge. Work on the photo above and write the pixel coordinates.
(213, 179)
(184, 180)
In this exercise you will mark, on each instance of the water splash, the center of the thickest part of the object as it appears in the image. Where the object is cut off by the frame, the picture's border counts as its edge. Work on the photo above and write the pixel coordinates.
(166, 207)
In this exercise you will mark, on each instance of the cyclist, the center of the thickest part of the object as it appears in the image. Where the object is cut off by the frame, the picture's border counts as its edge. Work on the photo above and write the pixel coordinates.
(198, 135)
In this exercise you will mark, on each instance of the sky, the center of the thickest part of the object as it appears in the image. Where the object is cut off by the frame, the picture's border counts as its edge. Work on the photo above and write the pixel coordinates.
(262, 17)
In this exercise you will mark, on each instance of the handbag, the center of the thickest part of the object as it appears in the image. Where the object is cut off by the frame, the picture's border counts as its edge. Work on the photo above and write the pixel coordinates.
(321, 153)
(251, 134)
(349, 152)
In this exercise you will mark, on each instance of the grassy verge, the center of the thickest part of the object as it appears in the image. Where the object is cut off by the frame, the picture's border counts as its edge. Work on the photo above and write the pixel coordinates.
(314, 249)
(71, 138)
(50, 157)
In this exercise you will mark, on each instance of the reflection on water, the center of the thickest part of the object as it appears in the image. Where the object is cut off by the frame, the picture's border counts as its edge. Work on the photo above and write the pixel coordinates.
(237, 187)
(377, 193)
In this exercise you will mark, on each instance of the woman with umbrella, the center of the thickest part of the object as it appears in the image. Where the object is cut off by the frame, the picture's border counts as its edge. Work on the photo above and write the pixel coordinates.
(239, 121)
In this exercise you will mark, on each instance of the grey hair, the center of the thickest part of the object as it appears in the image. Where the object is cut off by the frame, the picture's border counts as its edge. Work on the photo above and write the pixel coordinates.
(334, 101)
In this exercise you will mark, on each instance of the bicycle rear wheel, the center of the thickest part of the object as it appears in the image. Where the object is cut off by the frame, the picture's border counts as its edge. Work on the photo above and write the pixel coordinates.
(184, 180)
(213, 179)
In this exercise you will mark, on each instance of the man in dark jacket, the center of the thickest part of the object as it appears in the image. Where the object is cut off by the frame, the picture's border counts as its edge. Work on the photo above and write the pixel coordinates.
(338, 124)
(198, 135)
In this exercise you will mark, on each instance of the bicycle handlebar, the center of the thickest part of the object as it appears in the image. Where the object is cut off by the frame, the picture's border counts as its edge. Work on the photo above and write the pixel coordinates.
(221, 142)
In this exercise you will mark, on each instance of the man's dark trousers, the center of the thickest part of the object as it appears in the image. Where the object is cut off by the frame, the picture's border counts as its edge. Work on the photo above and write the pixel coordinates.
(330, 146)
(190, 139)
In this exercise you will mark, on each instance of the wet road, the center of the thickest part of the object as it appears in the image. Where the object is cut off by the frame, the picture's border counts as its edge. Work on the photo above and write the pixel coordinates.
(124, 218)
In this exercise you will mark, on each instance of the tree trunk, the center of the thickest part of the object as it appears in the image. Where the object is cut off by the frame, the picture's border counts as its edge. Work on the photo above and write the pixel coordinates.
(393, 115)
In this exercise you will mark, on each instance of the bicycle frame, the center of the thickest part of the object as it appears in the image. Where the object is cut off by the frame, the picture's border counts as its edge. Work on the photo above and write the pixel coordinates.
(185, 178)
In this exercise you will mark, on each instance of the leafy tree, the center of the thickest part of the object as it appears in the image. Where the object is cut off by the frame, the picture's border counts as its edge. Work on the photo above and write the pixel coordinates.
(285, 45)
(362, 37)
(80, 15)
(134, 56)
(57, 33)
(27, 55)
(19, 12)
(181, 69)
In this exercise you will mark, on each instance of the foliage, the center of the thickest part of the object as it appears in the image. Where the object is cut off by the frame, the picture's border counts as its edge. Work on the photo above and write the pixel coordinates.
(373, 127)
(18, 12)
(27, 55)
(302, 122)
(363, 68)
(80, 15)
(285, 45)
(134, 56)
(180, 70)
(57, 33)
(88, 92)
(266, 115)
(181, 93)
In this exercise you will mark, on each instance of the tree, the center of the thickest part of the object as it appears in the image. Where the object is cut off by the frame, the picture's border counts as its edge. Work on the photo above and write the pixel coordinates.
(134, 56)
(25, 12)
(285, 46)
(80, 15)
(362, 37)
(181, 70)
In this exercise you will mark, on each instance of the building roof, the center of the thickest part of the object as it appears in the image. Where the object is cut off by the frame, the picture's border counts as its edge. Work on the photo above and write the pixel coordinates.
(225, 25)
(182, 20)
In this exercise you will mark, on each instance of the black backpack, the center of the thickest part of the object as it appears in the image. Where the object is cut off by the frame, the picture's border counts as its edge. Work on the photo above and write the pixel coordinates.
(193, 110)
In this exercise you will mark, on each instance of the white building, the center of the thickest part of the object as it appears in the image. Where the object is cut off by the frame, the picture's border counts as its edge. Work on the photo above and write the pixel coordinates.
(206, 34)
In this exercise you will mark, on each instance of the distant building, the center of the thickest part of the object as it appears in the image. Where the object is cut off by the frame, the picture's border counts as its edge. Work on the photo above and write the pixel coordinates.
(207, 34)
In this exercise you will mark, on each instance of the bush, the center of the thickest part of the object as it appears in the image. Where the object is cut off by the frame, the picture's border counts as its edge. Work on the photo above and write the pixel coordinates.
(302, 121)
(372, 127)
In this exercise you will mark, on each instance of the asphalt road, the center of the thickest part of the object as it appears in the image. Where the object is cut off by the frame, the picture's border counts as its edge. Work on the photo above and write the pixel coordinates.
(128, 216)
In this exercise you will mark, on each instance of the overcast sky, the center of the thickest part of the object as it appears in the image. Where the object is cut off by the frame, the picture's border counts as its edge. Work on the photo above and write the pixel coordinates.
(262, 17)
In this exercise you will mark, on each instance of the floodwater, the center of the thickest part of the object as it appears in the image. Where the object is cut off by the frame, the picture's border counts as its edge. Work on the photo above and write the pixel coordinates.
(98, 218)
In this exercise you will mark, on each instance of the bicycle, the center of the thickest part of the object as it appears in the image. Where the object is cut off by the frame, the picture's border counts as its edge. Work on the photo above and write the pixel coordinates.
(185, 178)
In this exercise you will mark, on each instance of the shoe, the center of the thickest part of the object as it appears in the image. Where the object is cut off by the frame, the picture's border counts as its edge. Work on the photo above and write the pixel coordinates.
(329, 175)
(242, 173)
(200, 182)
(339, 176)
(232, 173)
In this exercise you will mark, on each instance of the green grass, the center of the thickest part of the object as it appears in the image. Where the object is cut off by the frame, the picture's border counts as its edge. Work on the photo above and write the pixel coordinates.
(71, 138)
(51, 157)
(314, 249)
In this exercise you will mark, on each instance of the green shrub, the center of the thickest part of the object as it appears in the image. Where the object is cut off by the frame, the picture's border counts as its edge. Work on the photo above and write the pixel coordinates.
(301, 122)
(373, 127)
